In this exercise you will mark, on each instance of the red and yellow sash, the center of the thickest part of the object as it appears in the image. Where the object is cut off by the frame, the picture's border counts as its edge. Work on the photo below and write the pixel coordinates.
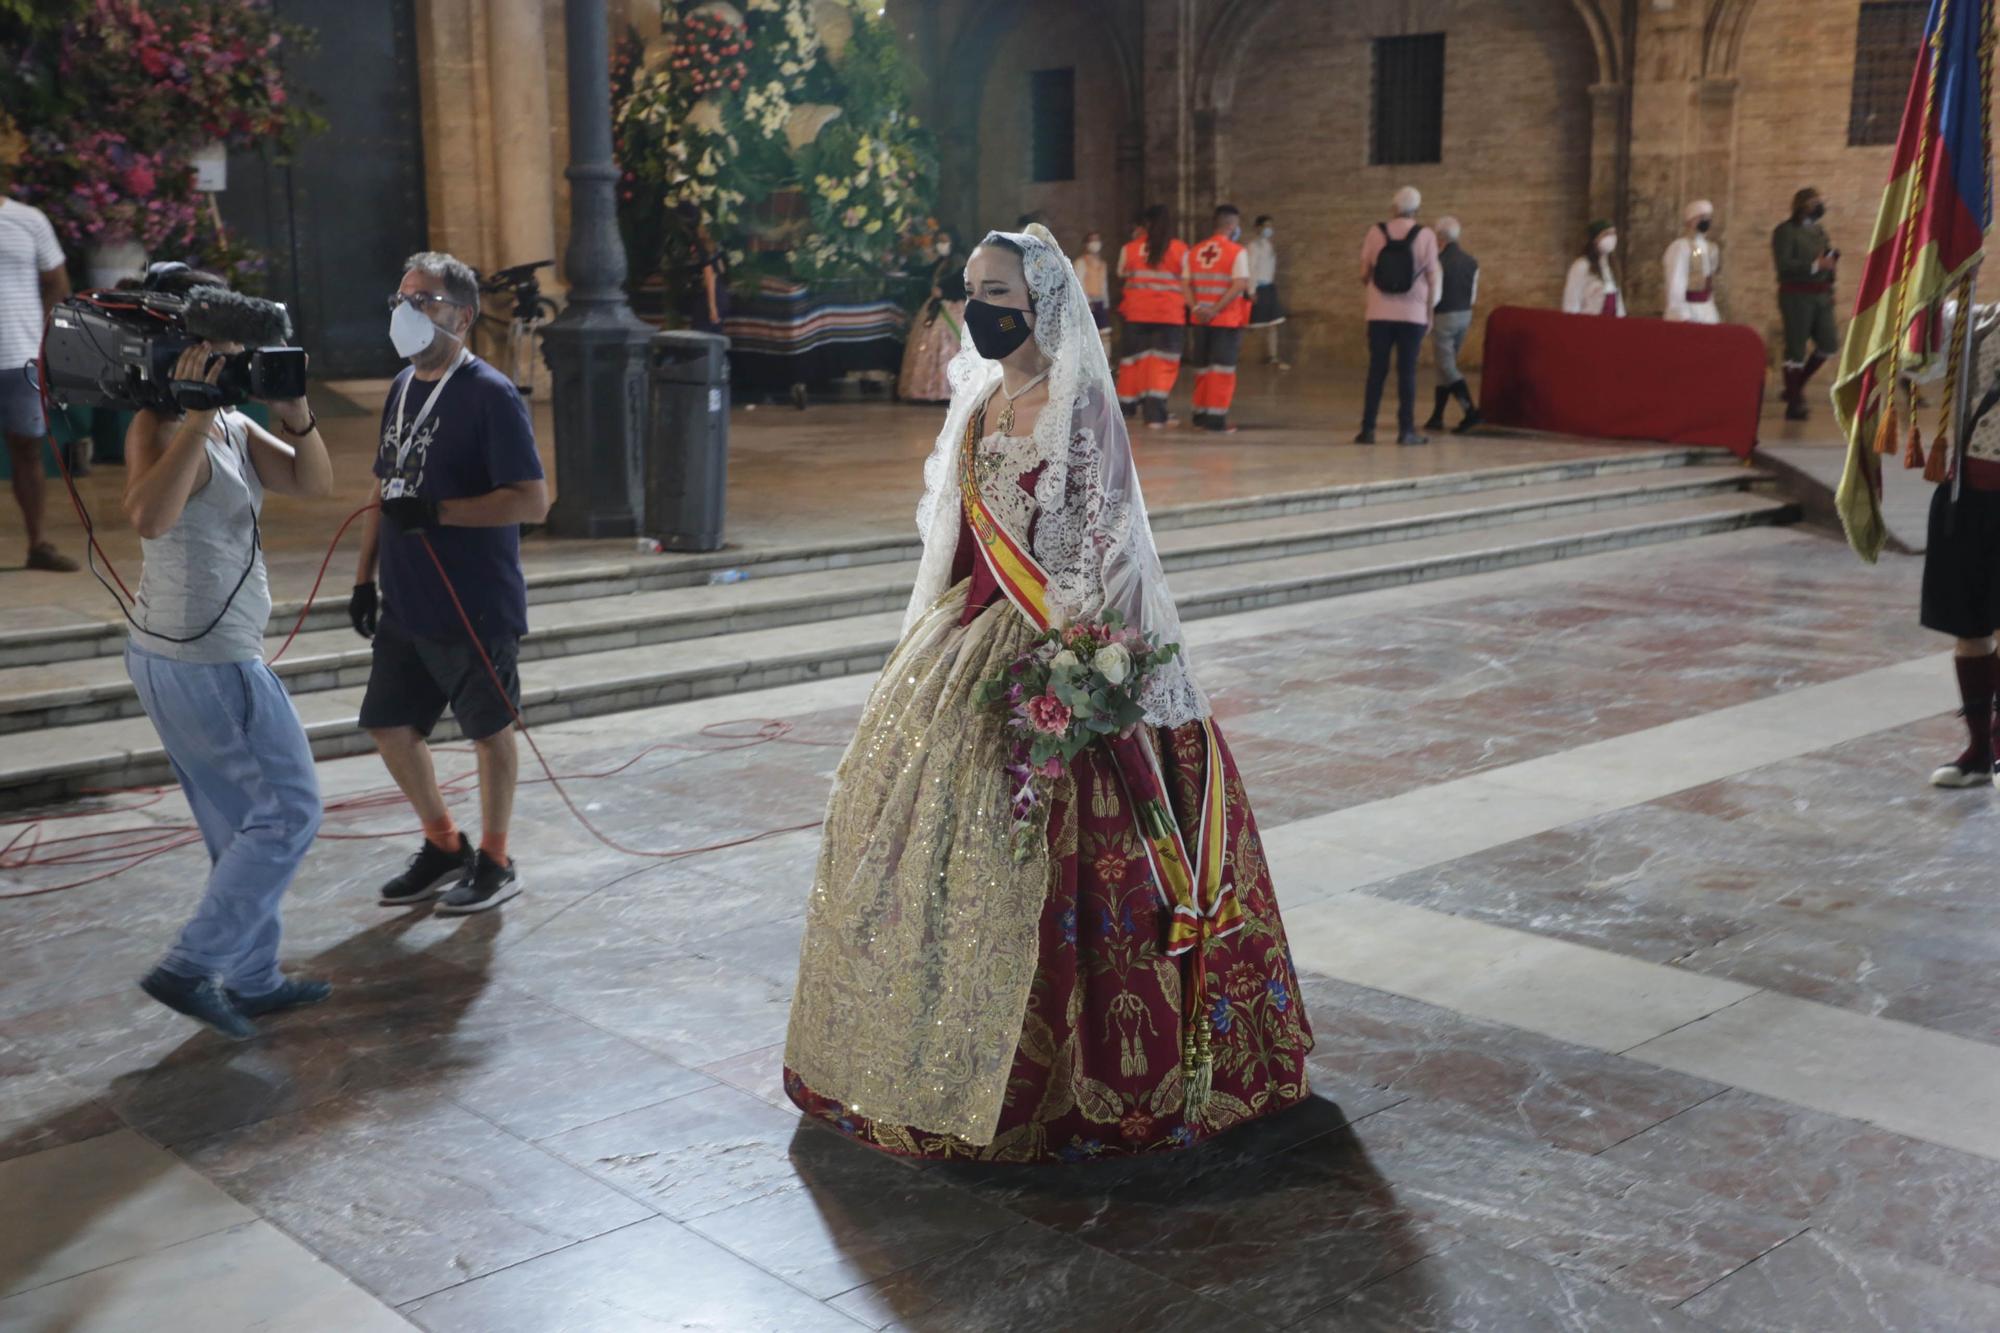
(1196, 889)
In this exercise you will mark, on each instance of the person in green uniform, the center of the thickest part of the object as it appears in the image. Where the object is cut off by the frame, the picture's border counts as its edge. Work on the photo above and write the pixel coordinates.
(1806, 262)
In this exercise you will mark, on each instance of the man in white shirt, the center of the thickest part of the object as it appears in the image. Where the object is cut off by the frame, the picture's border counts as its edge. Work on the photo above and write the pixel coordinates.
(32, 279)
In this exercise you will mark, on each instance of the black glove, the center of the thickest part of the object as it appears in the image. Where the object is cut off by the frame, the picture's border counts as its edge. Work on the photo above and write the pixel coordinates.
(410, 512)
(361, 609)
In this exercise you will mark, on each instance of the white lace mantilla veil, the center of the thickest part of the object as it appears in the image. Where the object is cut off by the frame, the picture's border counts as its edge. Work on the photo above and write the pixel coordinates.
(1091, 534)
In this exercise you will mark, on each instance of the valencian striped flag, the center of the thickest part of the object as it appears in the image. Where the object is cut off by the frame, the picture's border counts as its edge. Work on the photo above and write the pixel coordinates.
(1929, 235)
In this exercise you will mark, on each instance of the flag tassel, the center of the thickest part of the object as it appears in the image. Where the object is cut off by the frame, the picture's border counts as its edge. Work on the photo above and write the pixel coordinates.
(1885, 434)
(1938, 466)
(1913, 449)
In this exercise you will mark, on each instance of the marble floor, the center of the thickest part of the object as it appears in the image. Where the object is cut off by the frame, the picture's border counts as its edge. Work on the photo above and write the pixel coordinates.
(1653, 990)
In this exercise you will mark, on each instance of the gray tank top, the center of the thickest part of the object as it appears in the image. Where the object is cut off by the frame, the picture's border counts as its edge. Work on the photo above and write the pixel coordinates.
(191, 571)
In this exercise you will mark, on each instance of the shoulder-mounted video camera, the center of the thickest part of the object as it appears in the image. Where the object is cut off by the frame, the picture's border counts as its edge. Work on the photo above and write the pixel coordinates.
(119, 348)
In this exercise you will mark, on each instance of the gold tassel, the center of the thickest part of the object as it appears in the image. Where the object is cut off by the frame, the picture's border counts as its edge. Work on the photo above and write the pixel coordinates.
(1197, 1069)
(1885, 436)
(1938, 466)
(1913, 451)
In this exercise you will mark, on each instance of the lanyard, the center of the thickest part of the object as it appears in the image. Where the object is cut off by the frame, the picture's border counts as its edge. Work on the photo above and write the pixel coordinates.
(406, 436)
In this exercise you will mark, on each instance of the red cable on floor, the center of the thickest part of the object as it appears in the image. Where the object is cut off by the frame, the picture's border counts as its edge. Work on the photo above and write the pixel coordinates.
(137, 845)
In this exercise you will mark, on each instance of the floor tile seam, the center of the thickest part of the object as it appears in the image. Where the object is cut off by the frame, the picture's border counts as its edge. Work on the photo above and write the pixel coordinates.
(1014, 1223)
(1755, 992)
(1722, 1090)
(1635, 1053)
(1585, 809)
(1139, 1271)
(405, 1305)
(254, 1218)
(1306, 1321)
(1696, 1295)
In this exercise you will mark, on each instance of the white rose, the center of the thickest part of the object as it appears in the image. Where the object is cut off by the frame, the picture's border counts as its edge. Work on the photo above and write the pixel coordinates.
(1065, 658)
(1113, 663)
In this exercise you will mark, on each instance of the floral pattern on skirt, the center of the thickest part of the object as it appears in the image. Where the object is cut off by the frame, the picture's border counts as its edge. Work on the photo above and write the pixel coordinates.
(1097, 1071)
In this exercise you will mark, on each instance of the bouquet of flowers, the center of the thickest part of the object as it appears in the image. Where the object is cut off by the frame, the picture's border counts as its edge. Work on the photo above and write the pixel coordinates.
(1071, 687)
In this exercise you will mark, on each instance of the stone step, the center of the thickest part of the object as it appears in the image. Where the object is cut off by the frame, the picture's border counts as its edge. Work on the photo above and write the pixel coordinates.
(554, 579)
(53, 762)
(96, 689)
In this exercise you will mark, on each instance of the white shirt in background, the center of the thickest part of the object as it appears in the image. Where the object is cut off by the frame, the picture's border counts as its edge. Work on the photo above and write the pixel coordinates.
(28, 249)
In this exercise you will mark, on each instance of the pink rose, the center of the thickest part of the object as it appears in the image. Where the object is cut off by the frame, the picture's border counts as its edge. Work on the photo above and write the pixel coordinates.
(139, 182)
(1052, 768)
(1048, 714)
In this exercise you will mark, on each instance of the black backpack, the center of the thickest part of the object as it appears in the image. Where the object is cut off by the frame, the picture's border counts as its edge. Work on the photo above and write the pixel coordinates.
(1396, 266)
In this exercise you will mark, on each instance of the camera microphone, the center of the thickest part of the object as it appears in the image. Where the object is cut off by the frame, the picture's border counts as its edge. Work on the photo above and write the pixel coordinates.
(216, 314)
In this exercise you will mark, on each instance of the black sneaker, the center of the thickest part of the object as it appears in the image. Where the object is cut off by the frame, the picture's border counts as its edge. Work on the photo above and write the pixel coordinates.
(292, 993)
(200, 998)
(431, 867)
(485, 886)
(1968, 770)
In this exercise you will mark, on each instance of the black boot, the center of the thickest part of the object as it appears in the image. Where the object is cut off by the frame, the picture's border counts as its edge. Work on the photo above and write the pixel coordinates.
(1442, 395)
(1472, 420)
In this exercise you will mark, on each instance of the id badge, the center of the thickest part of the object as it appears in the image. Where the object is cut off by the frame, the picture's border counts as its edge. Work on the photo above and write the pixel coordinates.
(392, 488)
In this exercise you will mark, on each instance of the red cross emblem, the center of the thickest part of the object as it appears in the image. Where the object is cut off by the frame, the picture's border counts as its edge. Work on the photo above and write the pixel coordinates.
(1209, 254)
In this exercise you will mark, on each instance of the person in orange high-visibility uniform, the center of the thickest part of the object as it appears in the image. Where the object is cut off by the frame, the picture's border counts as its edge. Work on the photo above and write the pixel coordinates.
(1218, 272)
(1154, 306)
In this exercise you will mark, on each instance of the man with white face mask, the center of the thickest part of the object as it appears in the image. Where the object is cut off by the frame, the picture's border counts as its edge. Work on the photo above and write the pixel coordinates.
(457, 473)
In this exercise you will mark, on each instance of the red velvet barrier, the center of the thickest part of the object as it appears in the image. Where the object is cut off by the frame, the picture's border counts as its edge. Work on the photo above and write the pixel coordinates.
(1623, 379)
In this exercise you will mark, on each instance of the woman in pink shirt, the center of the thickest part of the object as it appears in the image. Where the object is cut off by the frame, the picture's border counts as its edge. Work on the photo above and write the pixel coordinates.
(1399, 267)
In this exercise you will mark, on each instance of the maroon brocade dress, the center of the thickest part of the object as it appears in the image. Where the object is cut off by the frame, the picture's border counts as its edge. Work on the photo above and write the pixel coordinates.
(1096, 1070)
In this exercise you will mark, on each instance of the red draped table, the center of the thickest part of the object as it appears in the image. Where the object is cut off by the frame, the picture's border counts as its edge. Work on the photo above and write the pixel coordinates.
(1623, 379)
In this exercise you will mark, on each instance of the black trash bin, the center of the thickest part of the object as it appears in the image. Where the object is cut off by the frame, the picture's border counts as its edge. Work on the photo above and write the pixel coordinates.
(687, 440)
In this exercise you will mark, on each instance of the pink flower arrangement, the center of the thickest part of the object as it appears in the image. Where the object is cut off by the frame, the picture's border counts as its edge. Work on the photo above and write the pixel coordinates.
(1071, 688)
(98, 188)
(1048, 715)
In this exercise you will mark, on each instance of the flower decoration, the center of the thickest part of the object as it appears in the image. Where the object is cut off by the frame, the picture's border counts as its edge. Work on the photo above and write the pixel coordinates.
(784, 126)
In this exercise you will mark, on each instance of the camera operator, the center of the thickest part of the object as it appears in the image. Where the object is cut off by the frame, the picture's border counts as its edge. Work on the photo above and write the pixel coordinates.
(194, 486)
(457, 474)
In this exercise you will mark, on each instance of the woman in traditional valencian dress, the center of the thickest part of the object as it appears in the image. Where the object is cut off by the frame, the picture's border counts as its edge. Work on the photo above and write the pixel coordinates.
(935, 332)
(959, 999)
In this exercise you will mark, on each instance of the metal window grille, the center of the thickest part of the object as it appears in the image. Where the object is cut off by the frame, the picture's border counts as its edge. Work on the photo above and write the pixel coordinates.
(1409, 100)
(1052, 99)
(1886, 40)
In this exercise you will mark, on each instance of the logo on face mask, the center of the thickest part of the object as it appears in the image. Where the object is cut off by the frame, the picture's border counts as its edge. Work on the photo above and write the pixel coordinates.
(996, 329)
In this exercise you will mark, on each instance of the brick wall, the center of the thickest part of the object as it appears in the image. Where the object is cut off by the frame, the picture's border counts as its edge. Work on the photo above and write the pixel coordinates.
(1051, 34)
(1516, 149)
(1797, 75)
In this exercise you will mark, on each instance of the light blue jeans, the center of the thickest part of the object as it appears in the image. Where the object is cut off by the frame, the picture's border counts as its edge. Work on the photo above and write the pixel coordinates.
(241, 755)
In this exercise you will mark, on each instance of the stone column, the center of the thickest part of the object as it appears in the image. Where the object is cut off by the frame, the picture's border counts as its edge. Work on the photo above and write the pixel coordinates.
(524, 170)
(1167, 64)
(596, 348)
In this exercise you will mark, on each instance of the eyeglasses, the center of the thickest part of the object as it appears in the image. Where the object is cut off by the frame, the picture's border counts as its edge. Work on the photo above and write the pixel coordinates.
(422, 300)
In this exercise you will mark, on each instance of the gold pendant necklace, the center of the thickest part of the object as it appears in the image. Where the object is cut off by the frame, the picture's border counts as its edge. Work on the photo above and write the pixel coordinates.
(1007, 412)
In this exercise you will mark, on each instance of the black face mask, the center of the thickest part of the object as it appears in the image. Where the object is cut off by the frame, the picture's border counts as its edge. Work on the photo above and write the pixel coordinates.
(996, 329)
(1703, 226)
(1816, 212)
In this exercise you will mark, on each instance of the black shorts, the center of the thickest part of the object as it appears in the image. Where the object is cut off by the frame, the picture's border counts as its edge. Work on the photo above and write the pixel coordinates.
(412, 679)
(1962, 564)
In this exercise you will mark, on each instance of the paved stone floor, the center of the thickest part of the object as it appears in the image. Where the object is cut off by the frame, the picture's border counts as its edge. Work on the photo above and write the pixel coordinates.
(1653, 990)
